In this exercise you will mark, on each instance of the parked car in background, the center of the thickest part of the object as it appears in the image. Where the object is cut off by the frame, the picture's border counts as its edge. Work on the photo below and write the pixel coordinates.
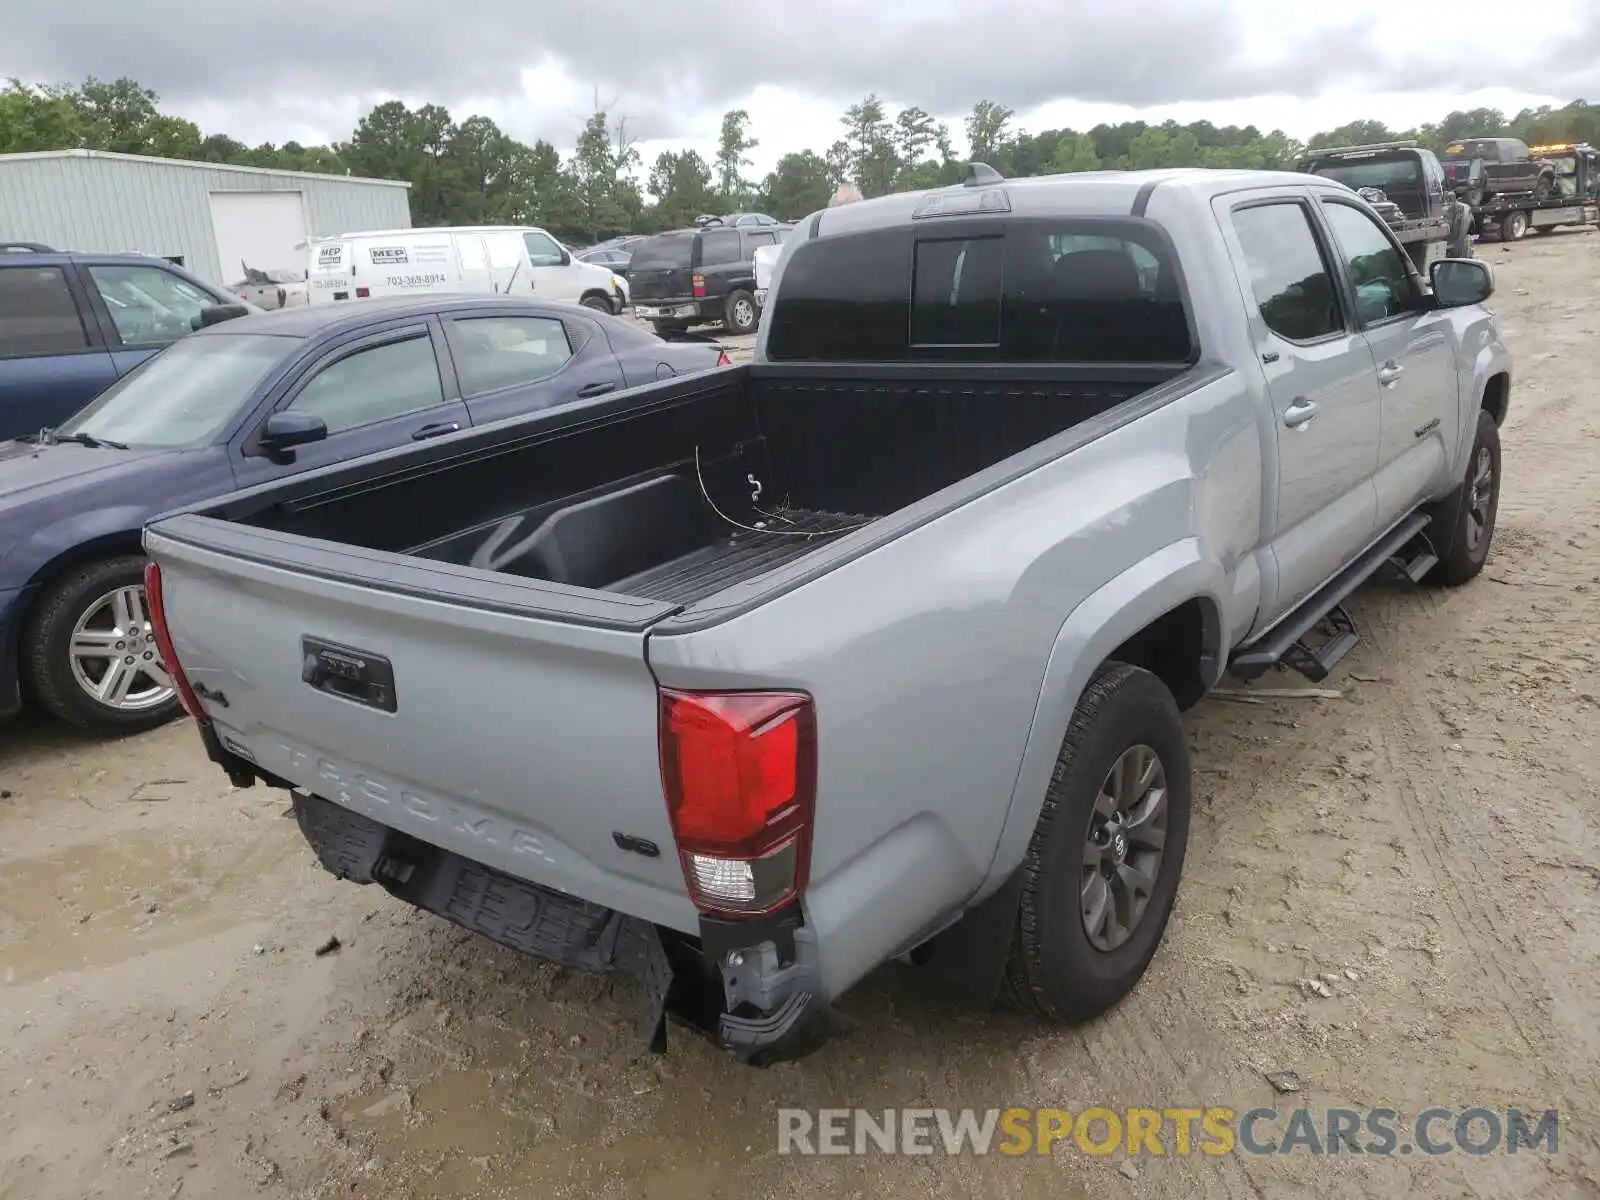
(612, 258)
(272, 290)
(1479, 168)
(695, 276)
(503, 260)
(253, 400)
(738, 221)
(72, 324)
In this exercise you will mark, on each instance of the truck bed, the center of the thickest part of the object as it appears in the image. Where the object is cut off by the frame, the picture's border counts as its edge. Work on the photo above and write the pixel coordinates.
(677, 492)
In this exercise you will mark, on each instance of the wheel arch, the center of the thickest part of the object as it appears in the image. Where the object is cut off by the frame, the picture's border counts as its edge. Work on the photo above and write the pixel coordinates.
(1160, 609)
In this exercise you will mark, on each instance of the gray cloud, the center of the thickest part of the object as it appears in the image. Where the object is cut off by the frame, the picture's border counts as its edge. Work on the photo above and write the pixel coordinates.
(663, 64)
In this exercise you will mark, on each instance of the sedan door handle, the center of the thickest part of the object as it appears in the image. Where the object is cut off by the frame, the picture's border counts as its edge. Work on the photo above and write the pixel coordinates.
(1389, 374)
(1299, 412)
(595, 389)
(436, 430)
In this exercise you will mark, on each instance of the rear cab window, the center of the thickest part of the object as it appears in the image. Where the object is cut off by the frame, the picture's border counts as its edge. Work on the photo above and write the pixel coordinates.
(1078, 290)
(666, 251)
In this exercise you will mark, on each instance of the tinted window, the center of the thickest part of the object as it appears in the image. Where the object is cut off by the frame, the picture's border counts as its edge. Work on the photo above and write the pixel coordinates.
(1025, 291)
(1292, 286)
(498, 352)
(1379, 171)
(374, 385)
(1381, 274)
(670, 250)
(720, 247)
(149, 306)
(542, 249)
(190, 393)
(956, 292)
(37, 312)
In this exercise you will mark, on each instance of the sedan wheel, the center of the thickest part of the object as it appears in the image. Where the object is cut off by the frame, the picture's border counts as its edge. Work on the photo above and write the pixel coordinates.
(90, 653)
(114, 655)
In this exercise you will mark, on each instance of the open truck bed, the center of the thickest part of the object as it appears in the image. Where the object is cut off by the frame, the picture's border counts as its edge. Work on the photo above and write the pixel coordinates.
(676, 492)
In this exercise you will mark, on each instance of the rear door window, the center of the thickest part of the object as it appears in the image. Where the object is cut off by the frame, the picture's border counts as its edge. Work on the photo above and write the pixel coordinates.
(37, 313)
(1024, 291)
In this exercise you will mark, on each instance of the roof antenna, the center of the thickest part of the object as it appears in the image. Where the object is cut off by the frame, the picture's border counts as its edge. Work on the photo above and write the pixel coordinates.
(981, 175)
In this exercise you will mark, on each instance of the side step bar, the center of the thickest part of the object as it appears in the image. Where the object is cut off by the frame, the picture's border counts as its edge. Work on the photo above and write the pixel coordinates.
(1286, 643)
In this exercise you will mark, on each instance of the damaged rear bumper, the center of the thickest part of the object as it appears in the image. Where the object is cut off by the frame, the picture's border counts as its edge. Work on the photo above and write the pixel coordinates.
(698, 985)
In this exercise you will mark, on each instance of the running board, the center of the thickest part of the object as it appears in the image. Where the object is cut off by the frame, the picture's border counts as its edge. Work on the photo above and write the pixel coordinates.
(1286, 643)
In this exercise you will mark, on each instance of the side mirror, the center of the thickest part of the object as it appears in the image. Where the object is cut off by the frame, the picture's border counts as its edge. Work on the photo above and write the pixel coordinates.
(566, 258)
(1458, 282)
(287, 429)
(215, 314)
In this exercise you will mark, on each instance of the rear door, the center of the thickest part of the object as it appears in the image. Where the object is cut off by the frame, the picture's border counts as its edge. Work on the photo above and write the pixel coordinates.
(330, 267)
(661, 267)
(725, 263)
(1415, 356)
(1323, 387)
(514, 363)
(374, 391)
(53, 360)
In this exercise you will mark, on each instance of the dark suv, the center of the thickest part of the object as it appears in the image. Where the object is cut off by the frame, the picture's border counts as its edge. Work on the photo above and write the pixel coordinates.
(72, 324)
(693, 276)
(1480, 168)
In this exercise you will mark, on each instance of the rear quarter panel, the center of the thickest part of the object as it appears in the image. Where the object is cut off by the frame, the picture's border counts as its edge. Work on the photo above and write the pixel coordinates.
(945, 664)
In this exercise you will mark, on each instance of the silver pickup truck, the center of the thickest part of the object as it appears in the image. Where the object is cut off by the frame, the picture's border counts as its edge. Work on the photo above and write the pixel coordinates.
(875, 648)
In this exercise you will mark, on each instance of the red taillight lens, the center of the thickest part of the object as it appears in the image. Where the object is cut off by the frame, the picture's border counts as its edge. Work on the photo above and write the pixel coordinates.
(363, 293)
(699, 282)
(740, 773)
(723, 360)
(156, 603)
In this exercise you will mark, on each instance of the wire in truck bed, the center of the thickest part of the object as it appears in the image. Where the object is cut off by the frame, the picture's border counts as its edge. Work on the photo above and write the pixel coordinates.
(747, 552)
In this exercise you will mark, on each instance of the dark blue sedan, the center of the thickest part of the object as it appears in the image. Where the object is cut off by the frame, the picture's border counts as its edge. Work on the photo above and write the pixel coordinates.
(240, 403)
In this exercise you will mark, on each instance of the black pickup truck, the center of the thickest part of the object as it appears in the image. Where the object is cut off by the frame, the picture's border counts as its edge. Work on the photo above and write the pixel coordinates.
(1403, 181)
(1482, 168)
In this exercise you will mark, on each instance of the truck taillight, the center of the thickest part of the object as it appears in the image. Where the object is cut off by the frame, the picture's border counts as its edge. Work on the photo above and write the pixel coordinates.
(156, 603)
(740, 774)
(363, 293)
(699, 282)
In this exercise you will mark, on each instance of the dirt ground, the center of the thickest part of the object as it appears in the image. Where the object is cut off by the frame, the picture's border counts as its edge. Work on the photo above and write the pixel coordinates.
(1426, 845)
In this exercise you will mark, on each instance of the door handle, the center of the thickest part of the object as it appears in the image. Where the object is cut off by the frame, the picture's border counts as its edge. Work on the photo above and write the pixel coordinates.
(595, 389)
(1299, 412)
(438, 429)
(1389, 374)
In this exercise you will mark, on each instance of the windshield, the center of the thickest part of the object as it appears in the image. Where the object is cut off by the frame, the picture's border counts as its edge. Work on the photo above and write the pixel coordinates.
(669, 250)
(184, 395)
(1379, 172)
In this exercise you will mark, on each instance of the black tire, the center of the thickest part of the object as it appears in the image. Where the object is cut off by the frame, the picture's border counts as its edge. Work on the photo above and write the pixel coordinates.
(1543, 186)
(1513, 226)
(739, 312)
(1055, 971)
(598, 302)
(1474, 531)
(47, 658)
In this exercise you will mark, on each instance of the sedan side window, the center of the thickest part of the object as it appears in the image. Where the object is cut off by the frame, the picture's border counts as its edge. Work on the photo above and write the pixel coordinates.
(373, 385)
(1380, 273)
(149, 306)
(499, 352)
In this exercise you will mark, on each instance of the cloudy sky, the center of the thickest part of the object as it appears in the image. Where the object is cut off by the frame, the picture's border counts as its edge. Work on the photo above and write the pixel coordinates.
(306, 69)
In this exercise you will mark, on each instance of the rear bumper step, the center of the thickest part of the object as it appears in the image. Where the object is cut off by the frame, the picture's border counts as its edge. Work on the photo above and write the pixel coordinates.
(537, 921)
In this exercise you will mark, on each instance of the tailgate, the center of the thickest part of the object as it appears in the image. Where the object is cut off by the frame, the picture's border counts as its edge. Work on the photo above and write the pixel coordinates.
(660, 283)
(512, 722)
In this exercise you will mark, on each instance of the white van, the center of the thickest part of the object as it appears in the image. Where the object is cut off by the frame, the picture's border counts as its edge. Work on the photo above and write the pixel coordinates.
(514, 260)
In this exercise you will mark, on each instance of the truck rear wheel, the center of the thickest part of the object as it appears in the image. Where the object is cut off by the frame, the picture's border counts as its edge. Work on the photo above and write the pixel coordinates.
(1469, 549)
(1513, 226)
(1101, 873)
